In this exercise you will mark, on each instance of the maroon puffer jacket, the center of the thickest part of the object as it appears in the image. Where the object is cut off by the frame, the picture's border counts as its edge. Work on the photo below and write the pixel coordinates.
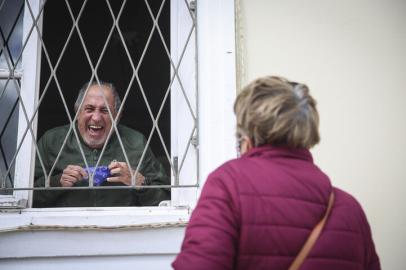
(257, 211)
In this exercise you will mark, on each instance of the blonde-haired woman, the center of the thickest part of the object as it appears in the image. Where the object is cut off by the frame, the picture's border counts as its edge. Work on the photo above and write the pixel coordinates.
(258, 211)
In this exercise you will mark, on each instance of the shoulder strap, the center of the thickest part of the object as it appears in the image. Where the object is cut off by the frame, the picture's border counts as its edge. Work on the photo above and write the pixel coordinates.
(311, 240)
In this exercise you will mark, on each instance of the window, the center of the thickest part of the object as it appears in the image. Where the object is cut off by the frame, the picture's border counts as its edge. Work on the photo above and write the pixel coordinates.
(215, 60)
(146, 48)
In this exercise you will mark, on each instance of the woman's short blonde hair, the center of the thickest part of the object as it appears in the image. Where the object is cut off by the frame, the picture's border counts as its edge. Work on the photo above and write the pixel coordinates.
(272, 110)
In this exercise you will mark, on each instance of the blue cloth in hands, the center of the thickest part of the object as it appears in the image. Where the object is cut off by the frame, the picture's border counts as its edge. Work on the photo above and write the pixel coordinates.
(100, 174)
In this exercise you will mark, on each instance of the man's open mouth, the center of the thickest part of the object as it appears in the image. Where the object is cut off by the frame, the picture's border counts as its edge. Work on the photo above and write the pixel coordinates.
(95, 129)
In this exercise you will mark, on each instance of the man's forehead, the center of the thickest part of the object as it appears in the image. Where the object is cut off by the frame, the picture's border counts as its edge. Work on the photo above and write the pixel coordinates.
(95, 94)
(99, 90)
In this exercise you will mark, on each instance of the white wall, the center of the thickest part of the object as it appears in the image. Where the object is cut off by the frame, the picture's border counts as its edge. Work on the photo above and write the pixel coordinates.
(351, 53)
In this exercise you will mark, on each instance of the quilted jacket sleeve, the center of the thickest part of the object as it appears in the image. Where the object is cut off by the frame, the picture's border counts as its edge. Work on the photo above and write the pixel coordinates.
(212, 235)
(372, 260)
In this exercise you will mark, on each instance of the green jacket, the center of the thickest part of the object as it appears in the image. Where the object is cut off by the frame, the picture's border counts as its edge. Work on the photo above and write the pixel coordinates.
(133, 142)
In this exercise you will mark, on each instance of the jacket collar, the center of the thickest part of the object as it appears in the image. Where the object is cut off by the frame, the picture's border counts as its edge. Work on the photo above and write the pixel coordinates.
(279, 151)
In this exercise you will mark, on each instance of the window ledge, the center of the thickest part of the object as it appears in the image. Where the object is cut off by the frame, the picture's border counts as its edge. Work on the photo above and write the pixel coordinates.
(97, 218)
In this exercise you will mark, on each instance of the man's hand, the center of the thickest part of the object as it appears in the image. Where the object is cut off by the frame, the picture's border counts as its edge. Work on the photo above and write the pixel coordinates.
(72, 174)
(121, 173)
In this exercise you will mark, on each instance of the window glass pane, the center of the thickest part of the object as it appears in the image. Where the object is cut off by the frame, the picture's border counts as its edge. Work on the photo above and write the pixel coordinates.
(11, 18)
(8, 131)
(11, 14)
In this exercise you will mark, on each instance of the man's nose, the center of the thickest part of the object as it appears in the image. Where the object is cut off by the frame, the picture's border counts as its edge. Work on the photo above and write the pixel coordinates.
(96, 116)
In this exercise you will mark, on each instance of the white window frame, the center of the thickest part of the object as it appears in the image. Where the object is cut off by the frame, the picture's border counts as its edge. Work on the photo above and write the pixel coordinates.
(182, 122)
(29, 95)
(216, 81)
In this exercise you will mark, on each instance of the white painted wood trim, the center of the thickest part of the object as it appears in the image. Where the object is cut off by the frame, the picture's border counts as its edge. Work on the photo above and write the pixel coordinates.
(216, 83)
(182, 122)
(70, 244)
(24, 165)
(90, 232)
(91, 218)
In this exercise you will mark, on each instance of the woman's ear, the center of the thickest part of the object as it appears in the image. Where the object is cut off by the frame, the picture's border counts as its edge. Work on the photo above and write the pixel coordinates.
(250, 144)
(246, 144)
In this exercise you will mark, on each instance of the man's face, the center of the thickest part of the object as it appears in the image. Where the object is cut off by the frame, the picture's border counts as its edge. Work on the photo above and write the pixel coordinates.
(94, 121)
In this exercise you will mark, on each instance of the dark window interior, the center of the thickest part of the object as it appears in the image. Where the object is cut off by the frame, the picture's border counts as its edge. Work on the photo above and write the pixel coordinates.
(114, 66)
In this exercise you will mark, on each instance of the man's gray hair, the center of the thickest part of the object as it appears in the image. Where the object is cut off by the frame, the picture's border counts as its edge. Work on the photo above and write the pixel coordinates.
(117, 100)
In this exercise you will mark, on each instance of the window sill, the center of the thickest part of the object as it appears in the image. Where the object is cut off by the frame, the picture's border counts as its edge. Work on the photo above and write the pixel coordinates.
(96, 218)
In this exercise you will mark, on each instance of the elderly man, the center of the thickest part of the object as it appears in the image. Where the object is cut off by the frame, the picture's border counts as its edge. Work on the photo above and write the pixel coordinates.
(70, 169)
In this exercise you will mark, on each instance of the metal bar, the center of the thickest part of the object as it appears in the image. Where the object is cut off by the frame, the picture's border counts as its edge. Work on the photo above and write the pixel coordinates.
(187, 148)
(18, 91)
(2, 4)
(176, 170)
(114, 123)
(47, 179)
(166, 95)
(1, 135)
(169, 56)
(53, 74)
(11, 31)
(94, 74)
(4, 74)
(176, 71)
(197, 96)
(26, 41)
(102, 187)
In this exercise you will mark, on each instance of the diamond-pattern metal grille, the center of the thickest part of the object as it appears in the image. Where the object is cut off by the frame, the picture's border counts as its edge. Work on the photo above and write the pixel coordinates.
(92, 56)
(10, 48)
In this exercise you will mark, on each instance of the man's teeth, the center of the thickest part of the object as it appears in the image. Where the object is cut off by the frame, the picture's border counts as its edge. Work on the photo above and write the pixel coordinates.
(95, 127)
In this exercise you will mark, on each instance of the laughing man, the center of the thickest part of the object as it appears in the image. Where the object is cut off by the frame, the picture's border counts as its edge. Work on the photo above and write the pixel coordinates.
(70, 169)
